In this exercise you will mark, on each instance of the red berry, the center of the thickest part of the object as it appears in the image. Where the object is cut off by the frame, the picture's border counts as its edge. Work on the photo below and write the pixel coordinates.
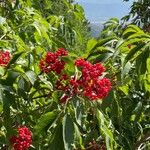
(53, 62)
(4, 58)
(61, 52)
(64, 98)
(93, 85)
(23, 140)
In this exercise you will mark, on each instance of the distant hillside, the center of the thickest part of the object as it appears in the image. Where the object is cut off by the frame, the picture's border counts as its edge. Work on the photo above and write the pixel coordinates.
(95, 29)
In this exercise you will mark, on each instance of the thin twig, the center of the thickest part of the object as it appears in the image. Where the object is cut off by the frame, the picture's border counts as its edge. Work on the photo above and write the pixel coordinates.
(142, 141)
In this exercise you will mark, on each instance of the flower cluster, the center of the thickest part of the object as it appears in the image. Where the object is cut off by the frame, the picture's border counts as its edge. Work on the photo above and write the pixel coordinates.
(90, 84)
(94, 145)
(4, 58)
(23, 140)
(53, 62)
(93, 84)
(69, 86)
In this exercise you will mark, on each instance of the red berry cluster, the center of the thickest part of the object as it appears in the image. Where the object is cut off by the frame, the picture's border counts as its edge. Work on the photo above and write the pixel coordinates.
(94, 145)
(90, 84)
(53, 62)
(4, 58)
(69, 86)
(23, 140)
(93, 84)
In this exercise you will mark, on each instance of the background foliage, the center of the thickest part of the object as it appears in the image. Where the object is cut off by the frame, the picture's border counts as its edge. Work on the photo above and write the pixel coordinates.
(28, 29)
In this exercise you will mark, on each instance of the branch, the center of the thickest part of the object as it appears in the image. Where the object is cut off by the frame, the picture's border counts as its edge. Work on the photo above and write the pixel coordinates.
(142, 141)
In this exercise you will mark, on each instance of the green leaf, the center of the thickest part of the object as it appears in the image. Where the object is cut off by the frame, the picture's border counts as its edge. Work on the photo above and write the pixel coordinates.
(68, 132)
(69, 66)
(11, 78)
(46, 82)
(141, 62)
(103, 128)
(124, 89)
(56, 143)
(126, 70)
(2, 20)
(132, 52)
(45, 121)
(6, 113)
(131, 41)
(107, 101)
(36, 25)
(24, 84)
(1, 106)
(101, 50)
(138, 111)
(101, 58)
(139, 35)
(56, 96)
(1, 92)
(14, 58)
(78, 138)
(2, 71)
(102, 42)
(131, 29)
(79, 111)
(31, 76)
(147, 83)
(91, 45)
(148, 65)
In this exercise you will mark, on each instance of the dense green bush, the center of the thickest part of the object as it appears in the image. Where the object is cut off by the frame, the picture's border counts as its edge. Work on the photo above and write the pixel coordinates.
(63, 96)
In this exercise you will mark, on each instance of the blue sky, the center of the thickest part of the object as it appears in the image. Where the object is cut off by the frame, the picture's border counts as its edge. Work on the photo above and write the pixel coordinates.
(98, 11)
(100, 1)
